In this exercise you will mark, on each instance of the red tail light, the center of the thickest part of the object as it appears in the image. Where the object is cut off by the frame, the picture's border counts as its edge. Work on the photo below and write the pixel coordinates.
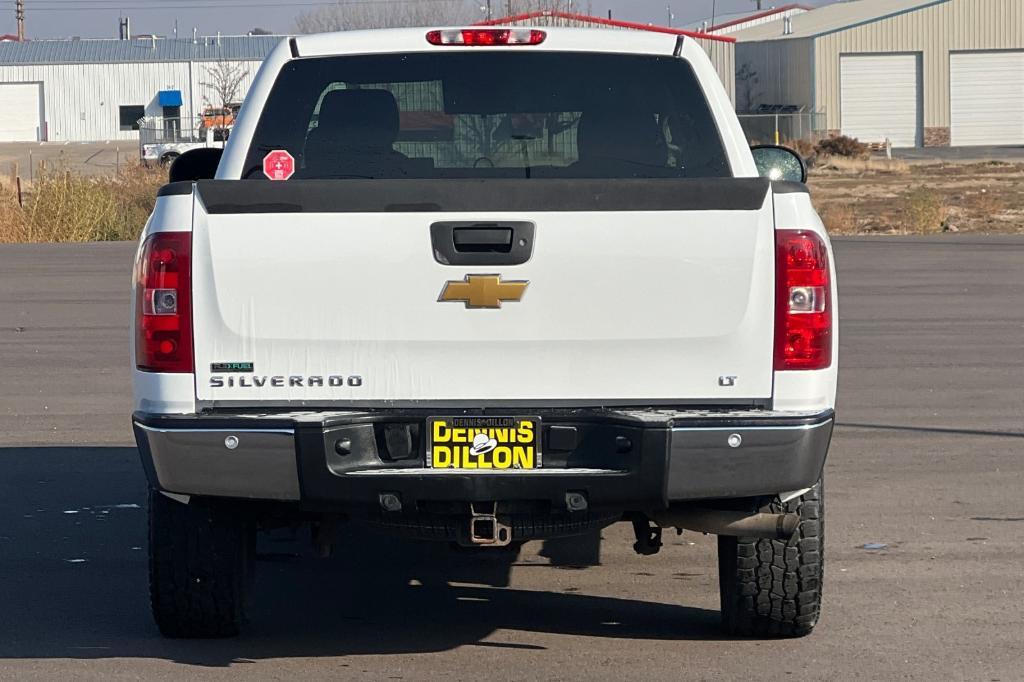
(486, 36)
(163, 303)
(803, 306)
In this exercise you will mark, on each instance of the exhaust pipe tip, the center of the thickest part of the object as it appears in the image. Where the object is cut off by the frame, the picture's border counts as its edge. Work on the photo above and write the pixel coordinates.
(728, 522)
(787, 526)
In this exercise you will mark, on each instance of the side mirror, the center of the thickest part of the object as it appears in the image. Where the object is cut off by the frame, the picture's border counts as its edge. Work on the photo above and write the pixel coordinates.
(779, 163)
(198, 164)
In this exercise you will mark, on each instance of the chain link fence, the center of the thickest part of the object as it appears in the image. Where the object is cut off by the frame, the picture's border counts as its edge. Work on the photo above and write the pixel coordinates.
(161, 140)
(777, 128)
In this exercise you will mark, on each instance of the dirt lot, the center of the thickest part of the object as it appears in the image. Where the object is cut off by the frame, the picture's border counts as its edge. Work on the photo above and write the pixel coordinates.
(952, 192)
(877, 196)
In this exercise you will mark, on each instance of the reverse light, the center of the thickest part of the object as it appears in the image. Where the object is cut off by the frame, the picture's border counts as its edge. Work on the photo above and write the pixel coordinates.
(163, 306)
(486, 36)
(803, 309)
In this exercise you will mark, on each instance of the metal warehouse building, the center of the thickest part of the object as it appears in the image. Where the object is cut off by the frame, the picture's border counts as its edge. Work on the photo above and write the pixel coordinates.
(87, 90)
(916, 72)
(721, 49)
(724, 24)
(98, 89)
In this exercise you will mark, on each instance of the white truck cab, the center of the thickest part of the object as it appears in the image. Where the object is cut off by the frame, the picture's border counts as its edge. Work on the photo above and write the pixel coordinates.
(485, 286)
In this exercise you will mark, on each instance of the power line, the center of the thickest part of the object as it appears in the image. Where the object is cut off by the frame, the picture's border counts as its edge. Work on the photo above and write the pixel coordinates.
(82, 7)
(172, 4)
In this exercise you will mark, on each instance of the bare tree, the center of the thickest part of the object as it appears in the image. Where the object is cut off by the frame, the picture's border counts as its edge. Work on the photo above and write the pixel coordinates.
(357, 14)
(747, 81)
(224, 88)
(224, 84)
(345, 16)
(514, 7)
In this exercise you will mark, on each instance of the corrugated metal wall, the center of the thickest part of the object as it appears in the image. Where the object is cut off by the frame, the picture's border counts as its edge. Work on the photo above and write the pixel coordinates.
(933, 31)
(774, 72)
(723, 57)
(743, 25)
(721, 52)
(81, 101)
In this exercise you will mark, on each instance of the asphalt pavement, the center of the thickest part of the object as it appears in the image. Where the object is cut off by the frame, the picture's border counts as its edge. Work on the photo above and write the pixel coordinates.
(88, 158)
(928, 461)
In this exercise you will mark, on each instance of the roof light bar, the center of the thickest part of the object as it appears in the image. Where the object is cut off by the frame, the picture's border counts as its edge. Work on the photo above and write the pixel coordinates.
(486, 36)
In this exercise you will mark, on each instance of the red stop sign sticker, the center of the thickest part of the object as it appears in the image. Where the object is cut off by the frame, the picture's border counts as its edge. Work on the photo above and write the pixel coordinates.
(279, 165)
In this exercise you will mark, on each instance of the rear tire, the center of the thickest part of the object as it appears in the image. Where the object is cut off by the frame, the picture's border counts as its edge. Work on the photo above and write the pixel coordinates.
(773, 587)
(200, 568)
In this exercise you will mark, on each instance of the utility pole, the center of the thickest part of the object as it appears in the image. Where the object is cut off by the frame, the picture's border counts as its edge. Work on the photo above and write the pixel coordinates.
(19, 13)
(668, 8)
(489, 15)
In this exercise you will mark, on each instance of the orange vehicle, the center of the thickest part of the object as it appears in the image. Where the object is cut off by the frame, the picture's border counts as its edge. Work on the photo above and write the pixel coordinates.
(219, 117)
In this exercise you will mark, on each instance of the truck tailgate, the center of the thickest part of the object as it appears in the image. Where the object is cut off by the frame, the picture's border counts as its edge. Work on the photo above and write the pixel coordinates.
(329, 303)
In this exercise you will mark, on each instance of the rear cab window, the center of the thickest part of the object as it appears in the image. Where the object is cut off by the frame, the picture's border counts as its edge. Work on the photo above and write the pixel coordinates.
(497, 114)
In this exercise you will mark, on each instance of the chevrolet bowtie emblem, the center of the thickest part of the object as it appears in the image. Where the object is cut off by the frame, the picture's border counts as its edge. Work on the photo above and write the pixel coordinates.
(482, 291)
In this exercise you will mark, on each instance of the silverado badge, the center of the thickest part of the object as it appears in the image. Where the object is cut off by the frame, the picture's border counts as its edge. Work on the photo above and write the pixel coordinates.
(482, 291)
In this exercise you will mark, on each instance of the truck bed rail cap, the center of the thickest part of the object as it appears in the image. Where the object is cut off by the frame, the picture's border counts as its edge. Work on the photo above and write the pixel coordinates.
(449, 195)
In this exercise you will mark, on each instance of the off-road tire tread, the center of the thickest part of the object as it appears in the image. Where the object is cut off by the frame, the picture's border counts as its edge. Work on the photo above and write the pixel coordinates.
(200, 565)
(773, 587)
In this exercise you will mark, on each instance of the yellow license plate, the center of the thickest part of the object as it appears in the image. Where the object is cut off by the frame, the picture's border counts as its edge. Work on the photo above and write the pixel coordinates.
(483, 443)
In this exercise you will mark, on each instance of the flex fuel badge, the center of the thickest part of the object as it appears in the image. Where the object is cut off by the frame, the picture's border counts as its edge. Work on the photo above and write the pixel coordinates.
(279, 165)
(231, 367)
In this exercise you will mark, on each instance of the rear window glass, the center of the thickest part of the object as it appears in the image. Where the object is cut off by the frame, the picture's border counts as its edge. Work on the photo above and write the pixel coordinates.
(490, 114)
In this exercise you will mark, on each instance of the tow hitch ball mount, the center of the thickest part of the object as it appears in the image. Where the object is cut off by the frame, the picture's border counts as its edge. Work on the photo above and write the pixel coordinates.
(484, 527)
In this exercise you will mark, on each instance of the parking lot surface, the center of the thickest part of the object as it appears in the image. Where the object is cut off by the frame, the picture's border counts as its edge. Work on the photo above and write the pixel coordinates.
(928, 463)
(87, 158)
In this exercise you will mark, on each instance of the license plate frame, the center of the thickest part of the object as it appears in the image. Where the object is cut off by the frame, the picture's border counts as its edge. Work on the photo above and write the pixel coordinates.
(457, 448)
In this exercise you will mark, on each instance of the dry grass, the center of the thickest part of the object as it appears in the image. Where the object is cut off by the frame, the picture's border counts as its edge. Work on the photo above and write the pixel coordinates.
(61, 206)
(955, 197)
(986, 205)
(11, 215)
(839, 219)
(841, 145)
(845, 165)
(804, 148)
(924, 210)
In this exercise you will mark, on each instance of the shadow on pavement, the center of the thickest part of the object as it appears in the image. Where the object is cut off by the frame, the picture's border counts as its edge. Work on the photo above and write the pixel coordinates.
(73, 582)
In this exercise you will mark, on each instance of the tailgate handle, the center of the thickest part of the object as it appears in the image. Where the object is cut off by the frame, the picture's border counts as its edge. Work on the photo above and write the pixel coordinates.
(478, 239)
(465, 243)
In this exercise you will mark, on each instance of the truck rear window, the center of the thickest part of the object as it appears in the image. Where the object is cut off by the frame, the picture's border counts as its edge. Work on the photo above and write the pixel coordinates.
(490, 114)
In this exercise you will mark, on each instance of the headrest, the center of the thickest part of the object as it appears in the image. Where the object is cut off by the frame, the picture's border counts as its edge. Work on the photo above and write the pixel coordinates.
(358, 118)
(623, 135)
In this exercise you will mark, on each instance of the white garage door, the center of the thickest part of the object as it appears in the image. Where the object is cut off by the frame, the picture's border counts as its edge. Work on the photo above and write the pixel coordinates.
(880, 98)
(986, 97)
(20, 119)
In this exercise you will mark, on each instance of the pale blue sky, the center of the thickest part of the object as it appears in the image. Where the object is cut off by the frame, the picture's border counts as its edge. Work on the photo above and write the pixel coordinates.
(98, 18)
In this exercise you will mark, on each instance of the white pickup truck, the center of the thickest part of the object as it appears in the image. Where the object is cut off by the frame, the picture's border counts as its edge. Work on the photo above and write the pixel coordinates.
(486, 286)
